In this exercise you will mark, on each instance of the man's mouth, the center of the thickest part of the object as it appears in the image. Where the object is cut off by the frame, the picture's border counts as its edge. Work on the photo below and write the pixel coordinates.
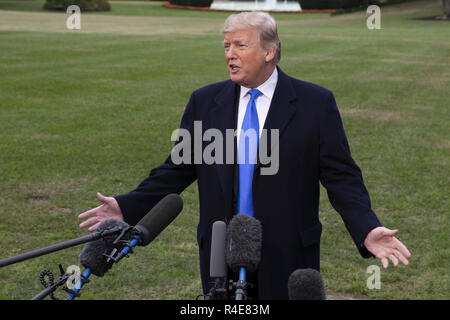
(233, 68)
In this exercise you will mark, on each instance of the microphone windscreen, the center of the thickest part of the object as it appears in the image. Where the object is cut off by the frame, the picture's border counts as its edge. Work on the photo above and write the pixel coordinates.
(306, 284)
(244, 240)
(92, 255)
(161, 215)
(218, 266)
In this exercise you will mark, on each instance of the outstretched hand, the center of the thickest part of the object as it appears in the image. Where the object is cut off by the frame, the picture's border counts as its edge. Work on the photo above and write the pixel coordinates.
(108, 210)
(382, 243)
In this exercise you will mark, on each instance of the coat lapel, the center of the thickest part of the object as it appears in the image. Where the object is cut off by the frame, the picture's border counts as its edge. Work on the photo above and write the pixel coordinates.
(281, 109)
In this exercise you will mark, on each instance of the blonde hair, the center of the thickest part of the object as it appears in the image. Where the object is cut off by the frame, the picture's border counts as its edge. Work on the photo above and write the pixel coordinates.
(267, 26)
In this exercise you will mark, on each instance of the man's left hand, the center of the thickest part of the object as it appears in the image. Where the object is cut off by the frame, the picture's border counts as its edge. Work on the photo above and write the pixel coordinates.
(382, 243)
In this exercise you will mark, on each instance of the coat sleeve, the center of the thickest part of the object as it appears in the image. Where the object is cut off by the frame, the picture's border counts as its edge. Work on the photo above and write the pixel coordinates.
(342, 178)
(163, 180)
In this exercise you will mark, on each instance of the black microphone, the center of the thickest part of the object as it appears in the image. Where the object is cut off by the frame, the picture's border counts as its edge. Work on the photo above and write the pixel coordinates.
(217, 265)
(59, 246)
(161, 215)
(95, 258)
(244, 239)
(306, 284)
(153, 223)
(93, 255)
(243, 252)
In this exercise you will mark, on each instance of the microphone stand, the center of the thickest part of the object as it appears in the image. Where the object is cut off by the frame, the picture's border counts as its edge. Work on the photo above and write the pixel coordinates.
(84, 278)
(121, 249)
(241, 286)
(217, 291)
(241, 293)
(56, 247)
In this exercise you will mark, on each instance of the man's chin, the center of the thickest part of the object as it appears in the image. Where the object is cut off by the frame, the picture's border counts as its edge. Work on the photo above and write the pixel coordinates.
(237, 79)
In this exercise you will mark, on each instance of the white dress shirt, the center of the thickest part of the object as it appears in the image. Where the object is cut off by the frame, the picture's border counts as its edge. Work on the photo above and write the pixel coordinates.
(262, 102)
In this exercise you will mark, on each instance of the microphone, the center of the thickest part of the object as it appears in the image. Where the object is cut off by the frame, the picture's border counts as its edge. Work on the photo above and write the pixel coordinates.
(161, 215)
(94, 256)
(217, 265)
(151, 225)
(243, 252)
(306, 284)
(59, 246)
(244, 238)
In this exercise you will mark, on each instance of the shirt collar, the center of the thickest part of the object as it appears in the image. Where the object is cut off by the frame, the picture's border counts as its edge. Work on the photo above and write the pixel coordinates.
(267, 88)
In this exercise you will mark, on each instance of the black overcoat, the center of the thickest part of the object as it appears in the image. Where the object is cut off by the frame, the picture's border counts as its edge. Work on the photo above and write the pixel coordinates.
(312, 149)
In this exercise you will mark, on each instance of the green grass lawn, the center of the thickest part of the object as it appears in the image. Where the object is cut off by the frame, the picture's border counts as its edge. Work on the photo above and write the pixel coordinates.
(92, 110)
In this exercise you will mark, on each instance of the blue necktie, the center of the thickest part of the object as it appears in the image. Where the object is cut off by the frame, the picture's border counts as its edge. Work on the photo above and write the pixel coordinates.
(248, 146)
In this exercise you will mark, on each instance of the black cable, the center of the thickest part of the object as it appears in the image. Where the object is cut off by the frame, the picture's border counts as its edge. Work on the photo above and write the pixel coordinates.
(46, 284)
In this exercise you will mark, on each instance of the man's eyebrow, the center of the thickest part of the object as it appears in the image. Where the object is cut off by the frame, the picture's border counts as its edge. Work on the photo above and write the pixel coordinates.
(234, 41)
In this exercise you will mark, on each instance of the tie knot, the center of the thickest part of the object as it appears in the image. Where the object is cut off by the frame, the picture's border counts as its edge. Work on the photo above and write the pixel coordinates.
(254, 93)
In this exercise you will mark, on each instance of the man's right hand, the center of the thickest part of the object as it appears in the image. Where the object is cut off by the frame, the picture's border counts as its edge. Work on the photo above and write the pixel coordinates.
(108, 210)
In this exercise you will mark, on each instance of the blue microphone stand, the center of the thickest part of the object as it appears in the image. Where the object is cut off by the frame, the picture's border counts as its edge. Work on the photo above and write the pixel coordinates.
(123, 253)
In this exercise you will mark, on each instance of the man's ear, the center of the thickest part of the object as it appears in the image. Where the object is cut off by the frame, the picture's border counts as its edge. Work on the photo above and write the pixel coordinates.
(270, 54)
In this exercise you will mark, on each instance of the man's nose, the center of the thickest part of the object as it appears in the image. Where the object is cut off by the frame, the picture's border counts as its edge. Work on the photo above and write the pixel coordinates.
(230, 53)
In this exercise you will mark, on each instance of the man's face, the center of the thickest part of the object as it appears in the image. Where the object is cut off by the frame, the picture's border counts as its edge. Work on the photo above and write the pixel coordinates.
(248, 63)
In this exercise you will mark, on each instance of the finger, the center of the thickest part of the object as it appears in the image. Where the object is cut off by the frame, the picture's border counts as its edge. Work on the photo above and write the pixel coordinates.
(385, 262)
(102, 198)
(95, 226)
(389, 232)
(403, 249)
(88, 222)
(402, 258)
(88, 213)
(394, 260)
